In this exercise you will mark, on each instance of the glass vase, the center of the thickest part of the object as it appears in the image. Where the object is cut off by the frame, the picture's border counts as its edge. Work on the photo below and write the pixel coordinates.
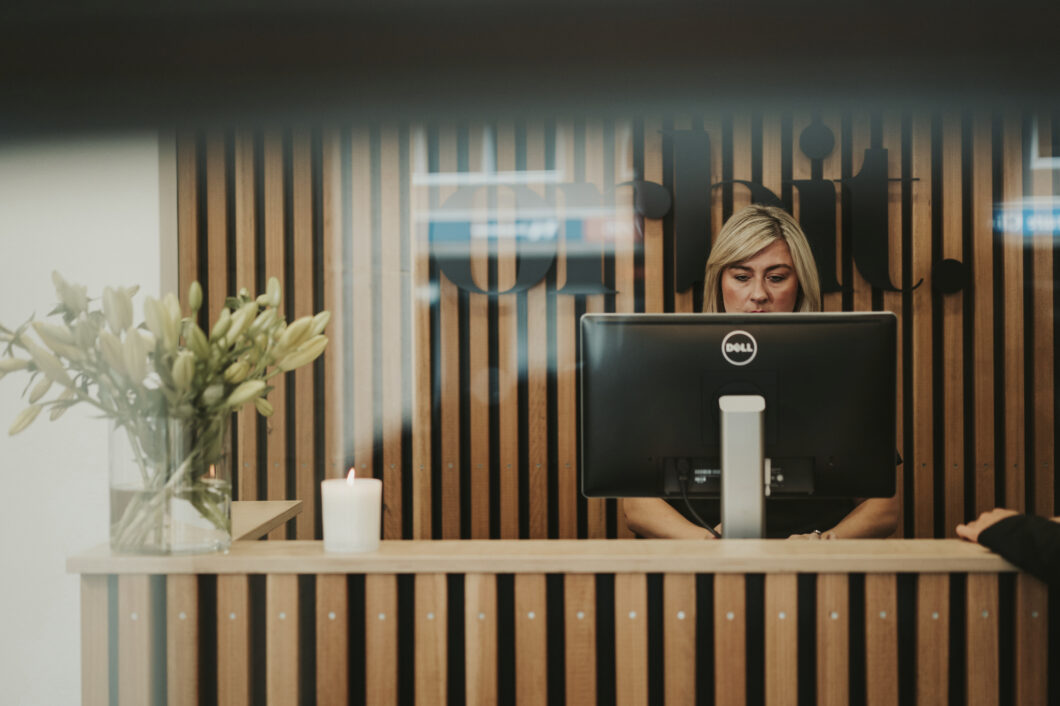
(170, 485)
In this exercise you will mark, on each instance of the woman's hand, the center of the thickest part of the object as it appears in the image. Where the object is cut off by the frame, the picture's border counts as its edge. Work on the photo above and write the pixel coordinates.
(830, 534)
(971, 530)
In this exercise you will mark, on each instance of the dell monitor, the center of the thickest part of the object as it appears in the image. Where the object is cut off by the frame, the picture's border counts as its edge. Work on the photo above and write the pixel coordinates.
(806, 401)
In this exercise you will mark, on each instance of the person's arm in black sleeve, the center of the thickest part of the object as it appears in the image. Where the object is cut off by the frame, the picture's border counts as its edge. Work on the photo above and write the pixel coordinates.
(1031, 543)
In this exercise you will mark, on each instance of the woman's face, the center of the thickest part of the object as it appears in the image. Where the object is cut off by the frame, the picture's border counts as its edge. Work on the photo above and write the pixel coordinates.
(763, 283)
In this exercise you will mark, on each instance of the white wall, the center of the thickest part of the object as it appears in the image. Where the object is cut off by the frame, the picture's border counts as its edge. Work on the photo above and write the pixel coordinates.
(88, 207)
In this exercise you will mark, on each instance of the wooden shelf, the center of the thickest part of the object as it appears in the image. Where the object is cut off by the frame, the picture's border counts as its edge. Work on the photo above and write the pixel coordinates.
(566, 556)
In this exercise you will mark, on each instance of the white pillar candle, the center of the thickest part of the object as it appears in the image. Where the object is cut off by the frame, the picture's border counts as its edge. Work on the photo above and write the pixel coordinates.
(351, 508)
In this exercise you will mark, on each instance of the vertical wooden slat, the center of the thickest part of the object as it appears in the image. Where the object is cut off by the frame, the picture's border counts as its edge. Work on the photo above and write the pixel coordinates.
(216, 227)
(431, 636)
(683, 302)
(833, 653)
(860, 140)
(653, 227)
(302, 292)
(508, 364)
(1044, 388)
(566, 358)
(233, 640)
(246, 269)
(631, 639)
(449, 367)
(892, 301)
(393, 283)
(832, 169)
(679, 638)
(364, 294)
(782, 635)
(881, 640)
(981, 650)
(187, 210)
(772, 152)
(730, 640)
(952, 326)
(380, 632)
(596, 508)
(922, 465)
(1032, 641)
(137, 643)
(95, 652)
(274, 267)
(622, 221)
(332, 639)
(982, 293)
(531, 640)
(1012, 245)
(422, 421)
(741, 158)
(478, 326)
(281, 639)
(480, 638)
(332, 273)
(182, 639)
(932, 638)
(579, 620)
(537, 345)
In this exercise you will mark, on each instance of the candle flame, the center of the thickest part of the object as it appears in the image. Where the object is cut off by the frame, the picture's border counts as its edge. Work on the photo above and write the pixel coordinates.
(350, 476)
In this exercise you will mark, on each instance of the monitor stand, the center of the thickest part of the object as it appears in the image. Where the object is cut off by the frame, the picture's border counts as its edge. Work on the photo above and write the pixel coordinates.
(744, 483)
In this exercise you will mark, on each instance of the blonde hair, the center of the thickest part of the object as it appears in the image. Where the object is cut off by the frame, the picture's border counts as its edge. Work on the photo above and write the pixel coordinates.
(747, 233)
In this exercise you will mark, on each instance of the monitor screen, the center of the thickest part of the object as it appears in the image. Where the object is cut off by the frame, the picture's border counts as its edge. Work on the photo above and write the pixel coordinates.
(649, 401)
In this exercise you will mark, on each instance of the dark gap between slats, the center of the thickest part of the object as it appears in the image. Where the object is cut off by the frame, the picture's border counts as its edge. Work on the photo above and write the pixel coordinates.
(290, 463)
(1029, 460)
(938, 403)
(856, 672)
(523, 414)
(1054, 120)
(208, 657)
(908, 529)
(968, 314)
(436, 351)
(846, 141)
(756, 147)
(755, 632)
(905, 587)
(876, 142)
(556, 638)
(957, 640)
(409, 342)
(379, 469)
(202, 220)
(656, 616)
(406, 585)
(157, 593)
(668, 220)
(552, 424)
(1006, 643)
(258, 654)
(455, 637)
(787, 169)
(807, 640)
(638, 218)
(611, 505)
(705, 672)
(505, 638)
(582, 504)
(463, 316)
(997, 169)
(493, 361)
(307, 639)
(262, 424)
(356, 649)
(232, 287)
(605, 639)
(1053, 664)
(727, 149)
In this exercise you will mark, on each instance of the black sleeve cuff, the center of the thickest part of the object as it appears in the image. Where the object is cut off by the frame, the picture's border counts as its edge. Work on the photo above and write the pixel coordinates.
(1032, 543)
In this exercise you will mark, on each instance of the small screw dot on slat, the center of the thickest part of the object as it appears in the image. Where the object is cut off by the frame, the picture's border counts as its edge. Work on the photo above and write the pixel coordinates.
(730, 616)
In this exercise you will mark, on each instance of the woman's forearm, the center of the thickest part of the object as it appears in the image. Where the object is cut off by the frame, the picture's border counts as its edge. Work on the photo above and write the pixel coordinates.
(875, 517)
(653, 517)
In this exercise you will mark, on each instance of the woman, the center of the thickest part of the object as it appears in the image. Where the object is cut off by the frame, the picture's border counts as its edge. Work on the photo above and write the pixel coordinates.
(761, 262)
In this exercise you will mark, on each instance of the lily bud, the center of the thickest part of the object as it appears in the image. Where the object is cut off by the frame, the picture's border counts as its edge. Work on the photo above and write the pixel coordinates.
(48, 364)
(240, 320)
(110, 347)
(183, 371)
(134, 355)
(213, 394)
(237, 372)
(172, 332)
(274, 292)
(60, 409)
(117, 307)
(263, 322)
(197, 340)
(320, 322)
(220, 327)
(24, 419)
(245, 392)
(10, 365)
(40, 389)
(295, 333)
(73, 296)
(263, 406)
(305, 353)
(59, 338)
(195, 296)
(155, 317)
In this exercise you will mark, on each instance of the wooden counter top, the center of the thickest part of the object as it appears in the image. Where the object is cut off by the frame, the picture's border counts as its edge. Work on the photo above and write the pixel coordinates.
(565, 556)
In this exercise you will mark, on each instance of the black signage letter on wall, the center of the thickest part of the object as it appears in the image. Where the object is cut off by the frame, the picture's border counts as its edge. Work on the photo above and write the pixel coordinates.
(691, 206)
(868, 204)
(817, 218)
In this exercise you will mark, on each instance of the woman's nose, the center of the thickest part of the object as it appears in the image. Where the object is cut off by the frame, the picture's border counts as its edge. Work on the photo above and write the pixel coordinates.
(758, 292)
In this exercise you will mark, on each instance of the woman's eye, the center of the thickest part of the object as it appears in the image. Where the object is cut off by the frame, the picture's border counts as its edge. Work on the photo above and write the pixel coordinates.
(741, 278)
(776, 279)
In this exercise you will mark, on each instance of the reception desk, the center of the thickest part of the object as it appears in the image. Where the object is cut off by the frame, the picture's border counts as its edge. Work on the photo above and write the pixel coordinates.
(585, 621)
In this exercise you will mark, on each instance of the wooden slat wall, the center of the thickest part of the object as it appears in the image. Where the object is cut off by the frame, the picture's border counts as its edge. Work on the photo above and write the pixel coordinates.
(466, 404)
(162, 654)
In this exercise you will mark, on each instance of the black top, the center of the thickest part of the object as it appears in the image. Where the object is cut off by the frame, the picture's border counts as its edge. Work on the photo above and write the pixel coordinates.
(1032, 543)
(784, 516)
